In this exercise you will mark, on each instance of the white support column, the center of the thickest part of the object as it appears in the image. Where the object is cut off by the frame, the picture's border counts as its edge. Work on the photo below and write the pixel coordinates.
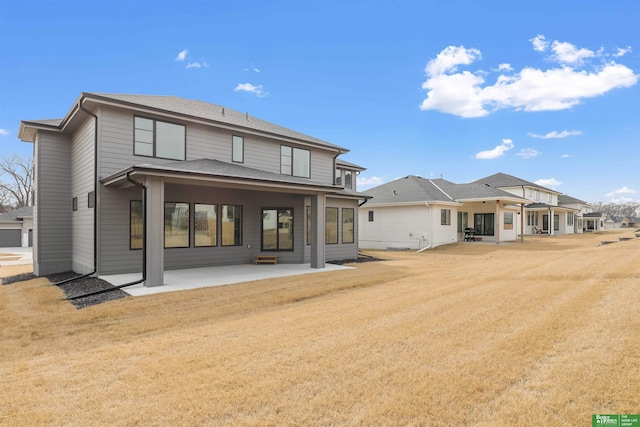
(496, 225)
(552, 223)
(155, 231)
(318, 209)
(521, 222)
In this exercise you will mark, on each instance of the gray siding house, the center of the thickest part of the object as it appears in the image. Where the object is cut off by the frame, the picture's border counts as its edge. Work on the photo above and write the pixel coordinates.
(126, 183)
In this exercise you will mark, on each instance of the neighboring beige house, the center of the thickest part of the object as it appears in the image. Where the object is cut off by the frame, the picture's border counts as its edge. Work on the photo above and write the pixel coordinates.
(630, 222)
(547, 210)
(16, 227)
(419, 213)
(130, 183)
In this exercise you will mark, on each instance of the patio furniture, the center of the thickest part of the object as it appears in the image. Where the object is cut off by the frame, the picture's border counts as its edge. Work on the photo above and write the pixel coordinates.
(266, 259)
(469, 235)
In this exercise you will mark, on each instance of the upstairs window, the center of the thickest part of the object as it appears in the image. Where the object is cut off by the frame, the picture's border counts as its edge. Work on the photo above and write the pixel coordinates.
(153, 138)
(549, 197)
(295, 162)
(338, 176)
(237, 149)
(536, 195)
(348, 179)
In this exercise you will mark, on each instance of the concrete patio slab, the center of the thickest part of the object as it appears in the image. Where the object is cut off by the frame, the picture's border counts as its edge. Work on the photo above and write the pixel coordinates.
(181, 280)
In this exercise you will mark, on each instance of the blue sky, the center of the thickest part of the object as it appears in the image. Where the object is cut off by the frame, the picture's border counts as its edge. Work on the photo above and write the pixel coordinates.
(544, 90)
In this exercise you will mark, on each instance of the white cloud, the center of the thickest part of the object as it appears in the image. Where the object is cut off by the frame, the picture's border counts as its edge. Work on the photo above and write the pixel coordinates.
(505, 67)
(197, 65)
(539, 42)
(566, 53)
(622, 51)
(556, 134)
(4, 132)
(564, 156)
(549, 183)
(449, 59)
(498, 151)
(369, 182)
(182, 55)
(623, 190)
(248, 87)
(527, 153)
(464, 93)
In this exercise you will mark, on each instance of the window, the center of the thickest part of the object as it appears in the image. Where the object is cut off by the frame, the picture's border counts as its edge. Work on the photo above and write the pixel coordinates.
(331, 227)
(91, 199)
(206, 225)
(445, 216)
(536, 195)
(529, 215)
(508, 221)
(338, 176)
(74, 204)
(463, 221)
(135, 224)
(153, 138)
(347, 225)
(231, 225)
(549, 197)
(237, 149)
(370, 216)
(556, 222)
(530, 192)
(176, 225)
(277, 229)
(483, 224)
(348, 179)
(295, 161)
(570, 219)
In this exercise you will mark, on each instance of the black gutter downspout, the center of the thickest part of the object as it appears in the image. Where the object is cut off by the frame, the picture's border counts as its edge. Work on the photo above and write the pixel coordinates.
(144, 246)
(95, 197)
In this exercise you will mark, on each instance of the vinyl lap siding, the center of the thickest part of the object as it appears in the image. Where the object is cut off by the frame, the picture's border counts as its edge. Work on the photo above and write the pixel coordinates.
(339, 251)
(82, 163)
(395, 226)
(52, 217)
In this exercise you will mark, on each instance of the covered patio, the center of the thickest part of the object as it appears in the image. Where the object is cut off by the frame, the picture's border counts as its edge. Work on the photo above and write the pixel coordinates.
(193, 278)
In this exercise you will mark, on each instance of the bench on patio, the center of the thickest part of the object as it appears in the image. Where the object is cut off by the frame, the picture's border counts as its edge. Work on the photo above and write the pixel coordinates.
(266, 259)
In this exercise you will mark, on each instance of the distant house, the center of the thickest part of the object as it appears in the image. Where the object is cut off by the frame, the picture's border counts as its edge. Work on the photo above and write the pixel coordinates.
(630, 222)
(126, 183)
(548, 211)
(418, 213)
(16, 227)
(613, 222)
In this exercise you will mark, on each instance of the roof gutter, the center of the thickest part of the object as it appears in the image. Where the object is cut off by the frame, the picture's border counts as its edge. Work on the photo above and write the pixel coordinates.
(144, 247)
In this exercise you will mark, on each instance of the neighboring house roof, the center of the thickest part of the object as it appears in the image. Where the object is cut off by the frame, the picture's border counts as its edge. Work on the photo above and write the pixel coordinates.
(415, 189)
(187, 108)
(631, 219)
(504, 180)
(216, 170)
(17, 214)
(592, 215)
(565, 199)
(348, 165)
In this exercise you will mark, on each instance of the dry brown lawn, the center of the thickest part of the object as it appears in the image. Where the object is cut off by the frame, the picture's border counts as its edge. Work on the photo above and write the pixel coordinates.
(541, 333)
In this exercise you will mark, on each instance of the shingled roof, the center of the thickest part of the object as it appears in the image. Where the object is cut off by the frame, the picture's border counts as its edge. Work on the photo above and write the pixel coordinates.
(189, 109)
(415, 189)
(500, 179)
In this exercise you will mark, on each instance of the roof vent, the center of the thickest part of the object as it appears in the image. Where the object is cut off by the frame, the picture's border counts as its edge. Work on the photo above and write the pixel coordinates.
(395, 193)
(222, 111)
(247, 115)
